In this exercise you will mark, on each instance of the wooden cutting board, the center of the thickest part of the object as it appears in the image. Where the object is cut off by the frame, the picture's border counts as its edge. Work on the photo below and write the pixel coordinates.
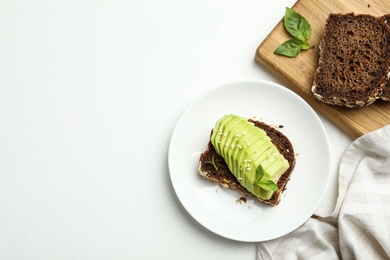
(297, 73)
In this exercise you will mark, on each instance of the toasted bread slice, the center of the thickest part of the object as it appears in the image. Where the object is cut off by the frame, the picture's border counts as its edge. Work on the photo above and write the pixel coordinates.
(354, 60)
(226, 179)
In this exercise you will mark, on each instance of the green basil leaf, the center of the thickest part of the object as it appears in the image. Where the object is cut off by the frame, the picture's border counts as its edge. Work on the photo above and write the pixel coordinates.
(306, 46)
(267, 185)
(290, 48)
(259, 172)
(297, 25)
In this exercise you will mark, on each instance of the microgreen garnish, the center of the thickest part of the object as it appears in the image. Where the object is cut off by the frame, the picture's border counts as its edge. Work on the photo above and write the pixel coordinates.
(267, 185)
(212, 162)
(299, 28)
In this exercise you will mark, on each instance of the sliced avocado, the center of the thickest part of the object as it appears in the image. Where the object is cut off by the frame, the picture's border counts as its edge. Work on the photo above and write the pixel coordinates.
(244, 147)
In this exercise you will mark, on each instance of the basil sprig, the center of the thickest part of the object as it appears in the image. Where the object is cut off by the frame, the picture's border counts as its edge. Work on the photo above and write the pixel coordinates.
(299, 28)
(267, 185)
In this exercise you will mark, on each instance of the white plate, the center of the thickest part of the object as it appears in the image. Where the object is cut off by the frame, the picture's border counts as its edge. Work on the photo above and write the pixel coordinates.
(216, 208)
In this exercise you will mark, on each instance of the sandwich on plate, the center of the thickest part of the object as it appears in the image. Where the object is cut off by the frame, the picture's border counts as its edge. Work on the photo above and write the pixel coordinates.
(250, 157)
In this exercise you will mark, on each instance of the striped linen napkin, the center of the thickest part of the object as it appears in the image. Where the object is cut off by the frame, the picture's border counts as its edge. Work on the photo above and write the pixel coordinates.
(359, 227)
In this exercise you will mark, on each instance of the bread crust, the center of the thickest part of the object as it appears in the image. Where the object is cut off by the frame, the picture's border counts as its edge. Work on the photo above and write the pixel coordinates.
(225, 178)
(386, 90)
(354, 60)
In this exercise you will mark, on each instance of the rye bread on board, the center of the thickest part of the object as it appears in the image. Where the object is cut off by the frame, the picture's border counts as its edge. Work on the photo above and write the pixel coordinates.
(227, 180)
(354, 60)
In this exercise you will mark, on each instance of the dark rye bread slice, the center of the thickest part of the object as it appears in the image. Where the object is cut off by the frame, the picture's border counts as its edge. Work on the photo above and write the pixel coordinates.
(227, 180)
(354, 60)
(386, 90)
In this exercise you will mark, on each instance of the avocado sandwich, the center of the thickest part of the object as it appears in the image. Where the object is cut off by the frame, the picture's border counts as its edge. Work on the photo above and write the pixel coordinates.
(250, 157)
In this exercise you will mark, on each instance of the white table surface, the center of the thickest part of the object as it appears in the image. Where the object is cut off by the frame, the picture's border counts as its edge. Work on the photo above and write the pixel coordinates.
(90, 92)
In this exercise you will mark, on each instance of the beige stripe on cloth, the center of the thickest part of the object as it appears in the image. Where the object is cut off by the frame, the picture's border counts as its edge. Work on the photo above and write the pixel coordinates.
(359, 227)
